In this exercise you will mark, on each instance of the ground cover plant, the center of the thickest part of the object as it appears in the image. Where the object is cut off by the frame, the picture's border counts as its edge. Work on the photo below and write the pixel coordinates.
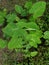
(21, 30)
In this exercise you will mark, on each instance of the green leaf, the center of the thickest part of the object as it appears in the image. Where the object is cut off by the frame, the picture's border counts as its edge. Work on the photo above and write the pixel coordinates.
(34, 41)
(11, 17)
(28, 26)
(34, 53)
(28, 4)
(9, 29)
(3, 43)
(15, 43)
(46, 35)
(38, 33)
(20, 33)
(34, 38)
(21, 25)
(32, 25)
(38, 9)
(17, 39)
(18, 9)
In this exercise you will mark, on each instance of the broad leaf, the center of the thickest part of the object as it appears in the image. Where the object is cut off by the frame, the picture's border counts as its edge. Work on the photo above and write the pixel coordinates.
(15, 43)
(32, 25)
(38, 9)
(18, 9)
(27, 26)
(17, 39)
(9, 29)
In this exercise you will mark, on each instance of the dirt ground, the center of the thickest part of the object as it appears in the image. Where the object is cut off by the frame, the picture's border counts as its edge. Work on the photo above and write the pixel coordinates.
(9, 4)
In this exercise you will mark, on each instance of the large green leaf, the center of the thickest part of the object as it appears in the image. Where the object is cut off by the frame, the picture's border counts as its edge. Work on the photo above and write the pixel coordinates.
(20, 33)
(3, 43)
(17, 39)
(38, 33)
(28, 26)
(32, 25)
(21, 25)
(9, 29)
(38, 9)
(15, 43)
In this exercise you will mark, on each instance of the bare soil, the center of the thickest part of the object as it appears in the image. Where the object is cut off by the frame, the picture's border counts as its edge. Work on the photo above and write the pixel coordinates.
(9, 4)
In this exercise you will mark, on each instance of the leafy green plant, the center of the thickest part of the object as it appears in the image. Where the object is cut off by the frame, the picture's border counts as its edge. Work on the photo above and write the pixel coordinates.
(40, 8)
(22, 29)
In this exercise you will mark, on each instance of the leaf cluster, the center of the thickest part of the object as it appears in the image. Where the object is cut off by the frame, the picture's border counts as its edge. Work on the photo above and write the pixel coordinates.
(22, 28)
